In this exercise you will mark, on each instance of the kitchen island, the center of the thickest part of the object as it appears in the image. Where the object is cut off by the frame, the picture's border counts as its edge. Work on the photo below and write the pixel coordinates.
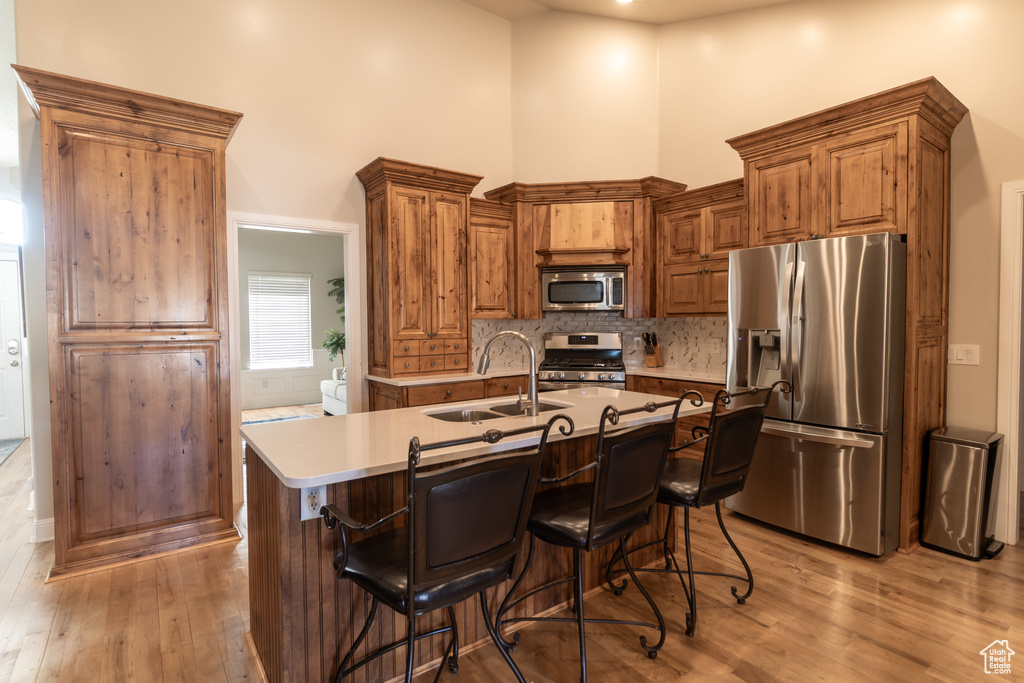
(300, 614)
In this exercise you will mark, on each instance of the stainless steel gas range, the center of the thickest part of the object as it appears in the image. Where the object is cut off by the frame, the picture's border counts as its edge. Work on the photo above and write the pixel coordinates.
(587, 359)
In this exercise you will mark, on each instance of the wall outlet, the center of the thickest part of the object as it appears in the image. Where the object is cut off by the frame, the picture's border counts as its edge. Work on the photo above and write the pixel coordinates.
(963, 354)
(312, 499)
(714, 346)
(638, 343)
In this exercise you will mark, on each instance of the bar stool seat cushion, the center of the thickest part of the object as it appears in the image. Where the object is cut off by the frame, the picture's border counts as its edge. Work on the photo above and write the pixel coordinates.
(680, 482)
(561, 516)
(380, 566)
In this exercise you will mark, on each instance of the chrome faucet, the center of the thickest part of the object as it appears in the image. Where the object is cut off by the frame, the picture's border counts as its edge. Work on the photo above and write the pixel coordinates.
(485, 360)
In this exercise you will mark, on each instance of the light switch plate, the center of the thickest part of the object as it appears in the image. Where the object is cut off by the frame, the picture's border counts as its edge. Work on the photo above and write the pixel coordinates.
(312, 499)
(963, 354)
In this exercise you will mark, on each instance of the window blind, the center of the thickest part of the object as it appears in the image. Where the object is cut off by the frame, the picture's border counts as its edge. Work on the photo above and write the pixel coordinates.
(280, 333)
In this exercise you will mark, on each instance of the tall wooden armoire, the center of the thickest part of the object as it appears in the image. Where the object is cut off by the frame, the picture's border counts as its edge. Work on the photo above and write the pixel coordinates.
(135, 239)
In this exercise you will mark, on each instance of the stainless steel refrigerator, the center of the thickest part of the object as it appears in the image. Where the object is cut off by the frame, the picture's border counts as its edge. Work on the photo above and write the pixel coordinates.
(828, 315)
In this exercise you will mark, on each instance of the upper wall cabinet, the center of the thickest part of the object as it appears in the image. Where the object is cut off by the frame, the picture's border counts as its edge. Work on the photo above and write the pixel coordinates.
(136, 250)
(877, 164)
(417, 219)
(846, 170)
(585, 224)
(492, 257)
(696, 230)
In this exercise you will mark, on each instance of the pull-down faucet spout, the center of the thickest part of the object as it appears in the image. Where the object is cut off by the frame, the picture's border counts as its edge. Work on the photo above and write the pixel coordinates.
(485, 361)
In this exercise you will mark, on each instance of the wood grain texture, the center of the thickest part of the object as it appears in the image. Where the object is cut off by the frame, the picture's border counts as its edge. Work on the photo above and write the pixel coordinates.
(135, 224)
(417, 240)
(492, 254)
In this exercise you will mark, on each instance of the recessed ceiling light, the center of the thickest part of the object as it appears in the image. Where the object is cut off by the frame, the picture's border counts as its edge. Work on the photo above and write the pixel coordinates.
(625, 2)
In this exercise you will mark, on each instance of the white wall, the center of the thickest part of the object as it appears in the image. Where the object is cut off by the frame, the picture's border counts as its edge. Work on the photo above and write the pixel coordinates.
(585, 104)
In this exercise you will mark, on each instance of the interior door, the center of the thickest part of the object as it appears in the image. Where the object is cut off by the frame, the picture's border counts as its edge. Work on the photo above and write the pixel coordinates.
(12, 405)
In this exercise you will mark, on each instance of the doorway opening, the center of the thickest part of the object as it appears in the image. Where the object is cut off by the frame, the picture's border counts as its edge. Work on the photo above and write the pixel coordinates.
(286, 317)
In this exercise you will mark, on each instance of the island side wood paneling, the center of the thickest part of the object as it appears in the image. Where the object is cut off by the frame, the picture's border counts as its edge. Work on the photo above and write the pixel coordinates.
(135, 233)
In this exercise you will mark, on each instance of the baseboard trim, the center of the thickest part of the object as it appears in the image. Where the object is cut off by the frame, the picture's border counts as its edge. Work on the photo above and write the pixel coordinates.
(42, 530)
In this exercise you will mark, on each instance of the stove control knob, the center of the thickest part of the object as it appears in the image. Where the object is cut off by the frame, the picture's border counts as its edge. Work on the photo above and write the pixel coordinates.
(561, 375)
(583, 376)
(601, 377)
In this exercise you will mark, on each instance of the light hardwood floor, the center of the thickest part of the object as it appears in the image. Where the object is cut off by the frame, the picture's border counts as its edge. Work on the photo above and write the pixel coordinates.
(314, 409)
(817, 613)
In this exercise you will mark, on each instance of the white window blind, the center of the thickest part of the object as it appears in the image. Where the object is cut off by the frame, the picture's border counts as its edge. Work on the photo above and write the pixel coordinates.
(279, 321)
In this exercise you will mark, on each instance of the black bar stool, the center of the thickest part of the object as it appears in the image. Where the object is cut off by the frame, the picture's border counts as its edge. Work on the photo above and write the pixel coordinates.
(464, 529)
(589, 515)
(731, 437)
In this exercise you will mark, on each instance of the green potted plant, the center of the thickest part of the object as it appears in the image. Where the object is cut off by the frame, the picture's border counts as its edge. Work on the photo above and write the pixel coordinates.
(335, 339)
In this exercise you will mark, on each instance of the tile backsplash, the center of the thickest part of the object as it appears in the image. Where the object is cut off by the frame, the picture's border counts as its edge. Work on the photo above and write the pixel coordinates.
(691, 344)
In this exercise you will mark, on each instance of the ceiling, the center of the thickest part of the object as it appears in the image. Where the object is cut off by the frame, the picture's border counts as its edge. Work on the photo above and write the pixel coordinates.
(646, 11)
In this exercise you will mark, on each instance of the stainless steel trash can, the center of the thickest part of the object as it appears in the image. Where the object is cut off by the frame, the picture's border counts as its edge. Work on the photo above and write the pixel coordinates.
(961, 467)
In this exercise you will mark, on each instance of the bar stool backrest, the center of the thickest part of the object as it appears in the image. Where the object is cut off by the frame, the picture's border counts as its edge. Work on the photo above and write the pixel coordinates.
(629, 467)
(732, 438)
(472, 516)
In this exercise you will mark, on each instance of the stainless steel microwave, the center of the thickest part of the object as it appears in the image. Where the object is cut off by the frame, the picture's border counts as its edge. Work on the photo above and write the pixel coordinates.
(583, 289)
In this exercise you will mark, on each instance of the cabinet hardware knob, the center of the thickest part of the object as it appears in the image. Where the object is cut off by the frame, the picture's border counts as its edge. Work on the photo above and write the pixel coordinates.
(448, 393)
(505, 385)
(406, 348)
(406, 365)
(457, 361)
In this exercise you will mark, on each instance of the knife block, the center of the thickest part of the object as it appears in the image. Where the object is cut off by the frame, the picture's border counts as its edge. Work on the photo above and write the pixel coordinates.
(655, 359)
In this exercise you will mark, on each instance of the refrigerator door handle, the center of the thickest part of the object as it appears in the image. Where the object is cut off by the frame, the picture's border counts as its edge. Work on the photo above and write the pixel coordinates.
(817, 434)
(796, 329)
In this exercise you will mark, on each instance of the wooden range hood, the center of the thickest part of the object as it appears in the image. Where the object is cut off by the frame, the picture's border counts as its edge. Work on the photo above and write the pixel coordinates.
(597, 223)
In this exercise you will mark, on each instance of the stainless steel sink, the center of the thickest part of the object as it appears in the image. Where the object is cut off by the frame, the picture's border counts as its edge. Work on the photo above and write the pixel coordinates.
(510, 408)
(466, 415)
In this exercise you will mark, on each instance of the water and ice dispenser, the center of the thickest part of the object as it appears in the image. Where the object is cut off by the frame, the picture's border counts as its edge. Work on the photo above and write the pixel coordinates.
(758, 358)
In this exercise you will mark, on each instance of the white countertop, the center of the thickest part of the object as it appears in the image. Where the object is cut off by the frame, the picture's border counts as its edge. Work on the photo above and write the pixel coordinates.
(326, 450)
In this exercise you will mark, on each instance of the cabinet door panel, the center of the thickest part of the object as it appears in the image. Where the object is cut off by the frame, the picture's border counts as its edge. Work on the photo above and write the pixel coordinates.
(681, 292)
(126, 478)
(781, 202)
(135, 259)
(683, 237)
(726, 229)
(716, 286)
(449, 272)
(409, 280)
(491, 269)
(862, 194)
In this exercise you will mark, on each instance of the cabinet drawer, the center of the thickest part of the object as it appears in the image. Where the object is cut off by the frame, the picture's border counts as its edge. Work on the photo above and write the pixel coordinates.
(405, 348)
(505, 386)
(431, 347)
(406, 365)
(445, 393)
(456, 346)
(456, 361)
(432, 363)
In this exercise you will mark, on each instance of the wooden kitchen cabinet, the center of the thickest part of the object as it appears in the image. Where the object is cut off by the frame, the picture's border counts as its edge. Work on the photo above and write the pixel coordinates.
(385, 396)
(878, 164)
(136, 250)
(506, 386)
(585, 224)
(417, 220)
(695, 288)
(696, 230)
(663, 386)
(492, 256)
